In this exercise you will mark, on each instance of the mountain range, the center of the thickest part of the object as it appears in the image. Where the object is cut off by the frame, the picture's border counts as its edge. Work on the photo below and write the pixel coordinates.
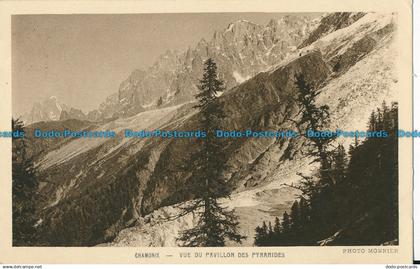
(242, 50)
(118, 192)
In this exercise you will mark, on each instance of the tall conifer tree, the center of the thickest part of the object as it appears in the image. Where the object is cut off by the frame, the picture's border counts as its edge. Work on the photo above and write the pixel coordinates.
(24, 191)
(216, 224)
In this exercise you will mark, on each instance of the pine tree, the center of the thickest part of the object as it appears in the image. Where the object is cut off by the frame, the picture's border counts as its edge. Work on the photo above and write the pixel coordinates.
(387, 124)
(285, 223)
(24, 191)
(304, 211)
(285, 237)
(339, 164)
(321, 193)
(216, 224)
(379, 119)
(372, 122)
(270, 228)
(277, 226)
(315, 118)
(354, 145)
(264, 228)
(295, 217)
(260, 236)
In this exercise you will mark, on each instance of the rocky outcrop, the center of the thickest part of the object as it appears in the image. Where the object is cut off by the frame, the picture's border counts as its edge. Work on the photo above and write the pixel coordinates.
(49, 109)
(331, 23)
(73, 114)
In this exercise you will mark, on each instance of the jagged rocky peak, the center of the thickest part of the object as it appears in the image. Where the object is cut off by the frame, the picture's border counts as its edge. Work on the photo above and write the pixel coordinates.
(48, 109)
(168, 61)
(134, 78)
(241, 50)
(52, 106)
(285, 29)
(241, 27)
(51, 109)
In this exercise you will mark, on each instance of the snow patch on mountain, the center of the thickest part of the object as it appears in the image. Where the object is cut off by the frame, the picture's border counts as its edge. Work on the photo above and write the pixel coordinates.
(362, 88)
(75, 147)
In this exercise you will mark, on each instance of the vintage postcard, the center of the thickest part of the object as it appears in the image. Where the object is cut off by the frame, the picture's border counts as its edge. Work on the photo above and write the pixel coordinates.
(206, 131)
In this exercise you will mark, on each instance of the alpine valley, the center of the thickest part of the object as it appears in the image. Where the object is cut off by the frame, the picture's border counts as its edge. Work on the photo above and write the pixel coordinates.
(119, 192)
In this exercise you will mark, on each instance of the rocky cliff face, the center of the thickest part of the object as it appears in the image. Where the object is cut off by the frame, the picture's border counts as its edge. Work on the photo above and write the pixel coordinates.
(51, 109)
(48, 110)
(111, 184)
(241, 50)
(73, 114)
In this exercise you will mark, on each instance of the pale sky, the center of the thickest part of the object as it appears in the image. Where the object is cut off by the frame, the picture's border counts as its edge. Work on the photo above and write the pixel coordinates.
(82, 59)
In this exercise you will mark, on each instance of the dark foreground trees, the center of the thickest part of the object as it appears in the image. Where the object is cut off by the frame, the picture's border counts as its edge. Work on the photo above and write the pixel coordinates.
(216, 224)
(353, 199)
(24, 192)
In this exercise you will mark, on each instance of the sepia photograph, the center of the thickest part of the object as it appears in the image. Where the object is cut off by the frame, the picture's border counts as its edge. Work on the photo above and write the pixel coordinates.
(250, 132)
